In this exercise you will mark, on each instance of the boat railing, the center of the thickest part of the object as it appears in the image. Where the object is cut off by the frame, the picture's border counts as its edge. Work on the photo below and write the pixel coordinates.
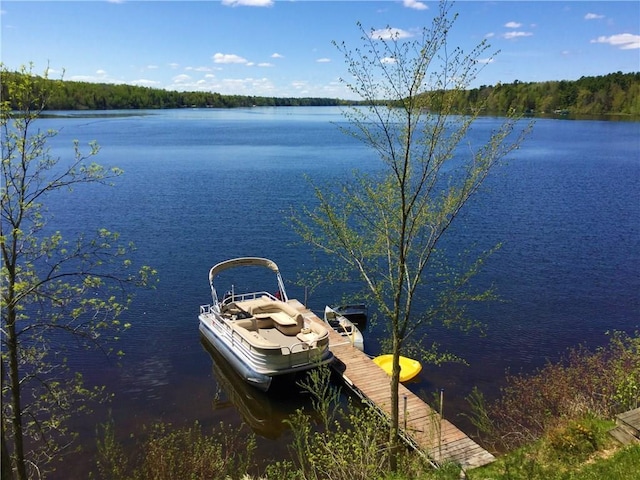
(241, 297)
(292, 352)
(205, 308)
(297, 354)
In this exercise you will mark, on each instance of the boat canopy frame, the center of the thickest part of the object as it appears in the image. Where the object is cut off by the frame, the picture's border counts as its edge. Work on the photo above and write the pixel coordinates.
(246, 262)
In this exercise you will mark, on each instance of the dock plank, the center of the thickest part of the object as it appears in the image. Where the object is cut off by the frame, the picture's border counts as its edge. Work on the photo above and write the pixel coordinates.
(422, 428)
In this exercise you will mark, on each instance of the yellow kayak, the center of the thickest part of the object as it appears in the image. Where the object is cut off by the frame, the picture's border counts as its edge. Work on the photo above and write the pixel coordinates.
(409, 368)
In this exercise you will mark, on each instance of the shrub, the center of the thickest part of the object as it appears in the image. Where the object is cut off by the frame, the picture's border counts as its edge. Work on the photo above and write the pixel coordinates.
(600, 383)
(185, 453)
(354, 447)
(574, 441)
(572, 450)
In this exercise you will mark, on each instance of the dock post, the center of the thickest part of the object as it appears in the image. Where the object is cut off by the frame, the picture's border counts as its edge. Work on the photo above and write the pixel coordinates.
(405, 412)
(441, 419)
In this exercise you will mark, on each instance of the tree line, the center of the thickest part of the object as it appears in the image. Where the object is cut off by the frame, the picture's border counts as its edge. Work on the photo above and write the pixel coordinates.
(70, 95)
(612, 94)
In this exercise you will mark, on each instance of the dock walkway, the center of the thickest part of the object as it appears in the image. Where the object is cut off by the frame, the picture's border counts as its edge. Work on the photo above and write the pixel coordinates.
(421, 426)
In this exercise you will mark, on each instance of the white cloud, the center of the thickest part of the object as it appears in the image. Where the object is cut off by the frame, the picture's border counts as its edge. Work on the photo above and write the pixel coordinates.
(389, 33)
(323, 60)
(152, 67)
(512, 35)
(143, 82)
(101, 73)
(224, 86)
(265, 64)
(198, 69)
(181, 79)
(244, 86)
(486, 61)
(100, 78)
(593, 16)
(513, 25)
(415, 4)
(624, 41)
(228, 58)
(174, 65)
(247, 3)
(490, 35)
(277, 55)
(388, 60)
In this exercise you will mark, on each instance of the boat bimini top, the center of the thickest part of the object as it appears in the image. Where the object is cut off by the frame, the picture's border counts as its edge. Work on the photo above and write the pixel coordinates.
(246, 262)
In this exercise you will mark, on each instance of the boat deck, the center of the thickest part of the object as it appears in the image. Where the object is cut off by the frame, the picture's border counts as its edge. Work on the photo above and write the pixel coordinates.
(421, 426)
(276, 336)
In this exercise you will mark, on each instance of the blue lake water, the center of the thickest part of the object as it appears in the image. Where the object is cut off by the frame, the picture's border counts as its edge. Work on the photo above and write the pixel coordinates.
(201, 186)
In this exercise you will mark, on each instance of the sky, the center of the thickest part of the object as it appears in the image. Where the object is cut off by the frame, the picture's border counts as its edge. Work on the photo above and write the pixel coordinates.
(282, 48)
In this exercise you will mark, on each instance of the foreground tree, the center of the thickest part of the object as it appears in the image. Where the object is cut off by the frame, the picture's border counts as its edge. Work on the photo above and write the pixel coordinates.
(388, 227)
(53, 291)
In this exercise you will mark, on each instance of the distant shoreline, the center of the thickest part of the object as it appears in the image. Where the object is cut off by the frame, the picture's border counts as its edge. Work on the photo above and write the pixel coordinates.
(133, 112)
(604, 97)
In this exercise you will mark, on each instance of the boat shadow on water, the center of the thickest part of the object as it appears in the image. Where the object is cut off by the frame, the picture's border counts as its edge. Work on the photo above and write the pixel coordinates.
(265, 413)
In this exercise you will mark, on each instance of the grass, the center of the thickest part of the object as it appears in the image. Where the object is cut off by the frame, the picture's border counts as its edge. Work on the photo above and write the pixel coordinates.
(576, 449)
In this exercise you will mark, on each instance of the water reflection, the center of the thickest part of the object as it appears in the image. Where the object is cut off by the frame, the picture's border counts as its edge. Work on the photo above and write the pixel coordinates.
(145, 379)
(263, 412)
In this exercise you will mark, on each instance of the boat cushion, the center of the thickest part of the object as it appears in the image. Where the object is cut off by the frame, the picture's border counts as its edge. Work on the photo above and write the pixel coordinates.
(286, 318)
(280, 318)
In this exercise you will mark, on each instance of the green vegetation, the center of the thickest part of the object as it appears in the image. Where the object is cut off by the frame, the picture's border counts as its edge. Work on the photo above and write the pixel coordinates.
(52, 287)
(101, 96)
(612, 94)
(170, 454)
(352, 443)
(597, 384)
(582, 450)
(575, 450)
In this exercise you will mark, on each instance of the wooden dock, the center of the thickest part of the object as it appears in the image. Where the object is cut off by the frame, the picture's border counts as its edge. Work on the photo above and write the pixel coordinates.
(421, 426)
(627, 429)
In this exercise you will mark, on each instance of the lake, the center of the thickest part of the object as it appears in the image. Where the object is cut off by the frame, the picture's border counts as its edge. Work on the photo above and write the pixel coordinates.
(202, 186)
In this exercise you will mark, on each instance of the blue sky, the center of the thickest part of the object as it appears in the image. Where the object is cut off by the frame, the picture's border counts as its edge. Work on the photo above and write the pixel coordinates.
(284, 48)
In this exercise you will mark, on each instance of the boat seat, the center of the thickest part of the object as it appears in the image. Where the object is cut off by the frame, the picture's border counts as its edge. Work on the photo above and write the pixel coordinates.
(280, 318)
(264, 305)
(282, 321)
(249, 305)
(308, 337)
(248, 323)
(285, 318)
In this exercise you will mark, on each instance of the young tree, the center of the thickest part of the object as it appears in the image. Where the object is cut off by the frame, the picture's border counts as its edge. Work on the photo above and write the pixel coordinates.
(51, 288)
(388, 227)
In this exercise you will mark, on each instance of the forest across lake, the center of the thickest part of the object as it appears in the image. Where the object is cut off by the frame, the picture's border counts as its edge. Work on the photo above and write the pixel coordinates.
(615, 94)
